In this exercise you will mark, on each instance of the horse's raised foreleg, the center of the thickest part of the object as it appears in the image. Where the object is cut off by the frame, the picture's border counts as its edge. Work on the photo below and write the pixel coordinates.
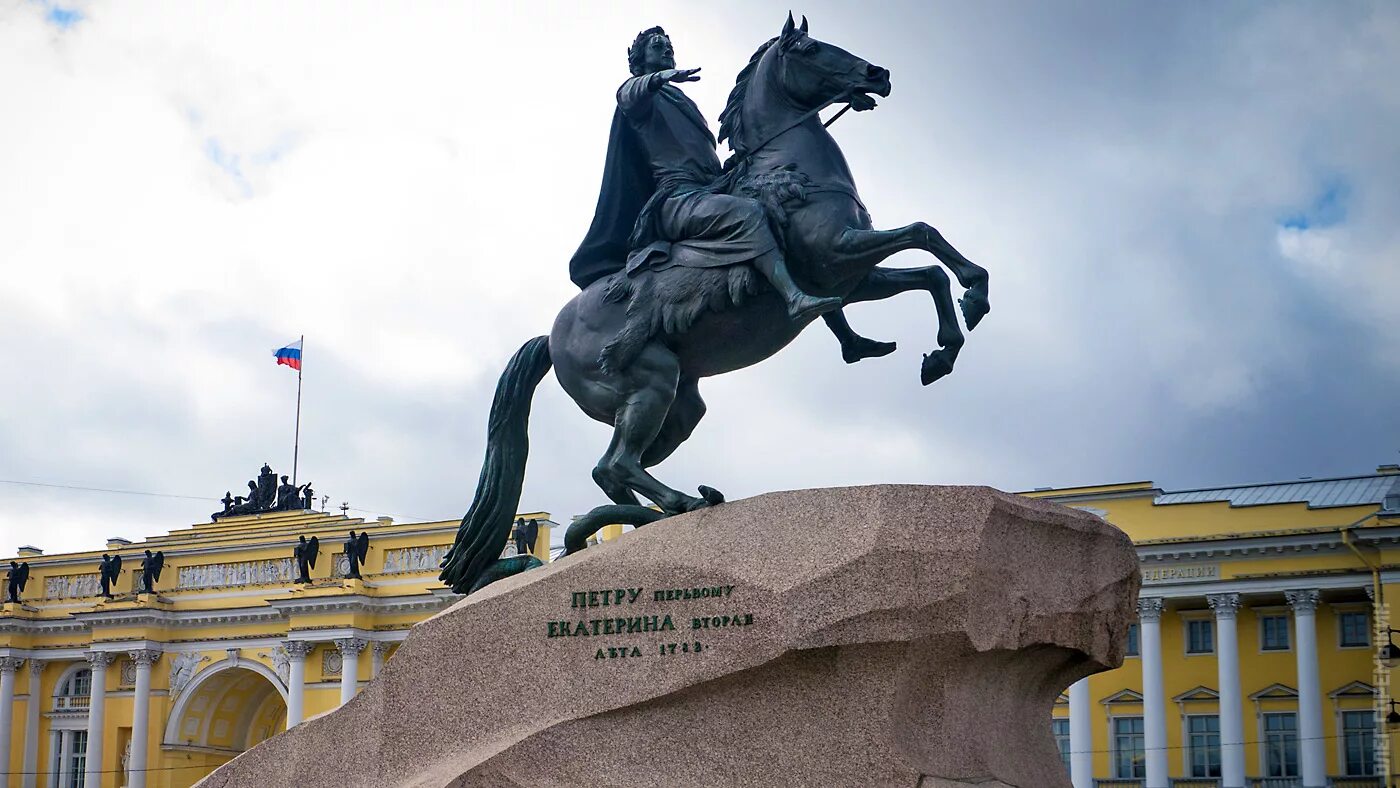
(651, 381)
(869, 247)
(882, 283)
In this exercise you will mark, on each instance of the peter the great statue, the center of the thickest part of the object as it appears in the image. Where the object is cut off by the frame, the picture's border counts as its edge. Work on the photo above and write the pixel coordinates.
(692, 269)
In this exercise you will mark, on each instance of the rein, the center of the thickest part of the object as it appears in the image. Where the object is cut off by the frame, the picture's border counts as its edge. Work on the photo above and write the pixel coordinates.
(737, 159)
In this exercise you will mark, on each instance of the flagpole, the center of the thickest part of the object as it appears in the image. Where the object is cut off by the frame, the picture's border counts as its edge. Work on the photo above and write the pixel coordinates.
(296, 440)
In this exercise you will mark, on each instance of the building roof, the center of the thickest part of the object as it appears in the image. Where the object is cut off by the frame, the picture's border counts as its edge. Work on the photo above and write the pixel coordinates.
(1316, 493)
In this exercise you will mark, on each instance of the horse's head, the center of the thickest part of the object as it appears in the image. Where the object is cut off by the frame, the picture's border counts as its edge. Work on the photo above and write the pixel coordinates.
(813, 72)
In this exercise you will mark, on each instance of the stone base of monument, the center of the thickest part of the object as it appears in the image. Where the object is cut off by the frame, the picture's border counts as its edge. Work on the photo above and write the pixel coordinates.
(887, 635)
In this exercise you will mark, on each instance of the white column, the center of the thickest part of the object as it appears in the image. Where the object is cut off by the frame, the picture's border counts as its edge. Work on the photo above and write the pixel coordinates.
(8, 666)
(1081, 738)
(64, 740)
(296, 679)
(1312, 751)
(350, 649)
(31, 724)
(381, 649)
(97, 708)
(141, 714)
(1227, 660)
(1154, 701)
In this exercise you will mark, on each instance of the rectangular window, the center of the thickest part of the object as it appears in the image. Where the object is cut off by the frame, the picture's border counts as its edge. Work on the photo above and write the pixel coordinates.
(1356, 628)
(1203, 745)
(1281, 744)
(1273, 633)
(1200, 636)
(1132, 640)
(77, 759)
(1129, 761)
(1060, 727)
(1359, 743)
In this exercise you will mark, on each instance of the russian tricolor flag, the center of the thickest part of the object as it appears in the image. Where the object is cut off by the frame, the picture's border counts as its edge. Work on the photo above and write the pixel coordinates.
(290, 355)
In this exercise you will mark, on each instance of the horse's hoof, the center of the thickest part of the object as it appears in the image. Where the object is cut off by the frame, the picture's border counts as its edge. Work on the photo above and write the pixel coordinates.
(863, 348)
(712, 496)
(974, 306)
(936, 365)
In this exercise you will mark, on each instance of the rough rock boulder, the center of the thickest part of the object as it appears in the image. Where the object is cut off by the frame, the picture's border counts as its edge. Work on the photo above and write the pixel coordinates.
(887, 635)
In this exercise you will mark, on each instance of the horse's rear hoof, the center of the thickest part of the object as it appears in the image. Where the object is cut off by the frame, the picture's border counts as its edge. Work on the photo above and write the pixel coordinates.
(712, 496)
(974, 307)
(936, 365)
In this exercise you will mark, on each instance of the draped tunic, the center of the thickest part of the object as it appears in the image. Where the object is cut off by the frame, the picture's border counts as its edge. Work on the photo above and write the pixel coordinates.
(658, 206)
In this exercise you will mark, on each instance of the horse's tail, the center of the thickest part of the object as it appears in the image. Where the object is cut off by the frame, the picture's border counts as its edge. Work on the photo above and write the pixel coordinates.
(484, 531)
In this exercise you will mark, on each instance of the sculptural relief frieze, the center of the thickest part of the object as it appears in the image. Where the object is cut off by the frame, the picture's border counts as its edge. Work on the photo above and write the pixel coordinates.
(237, 573)
(70, 586)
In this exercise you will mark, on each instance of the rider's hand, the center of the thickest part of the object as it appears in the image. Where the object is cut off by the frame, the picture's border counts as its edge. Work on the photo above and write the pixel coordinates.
(676, 75)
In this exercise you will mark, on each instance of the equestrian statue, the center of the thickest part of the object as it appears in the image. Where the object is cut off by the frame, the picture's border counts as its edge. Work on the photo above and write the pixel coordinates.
(693, 268)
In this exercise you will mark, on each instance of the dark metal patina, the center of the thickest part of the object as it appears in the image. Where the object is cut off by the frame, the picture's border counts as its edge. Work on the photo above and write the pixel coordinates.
(692, 269)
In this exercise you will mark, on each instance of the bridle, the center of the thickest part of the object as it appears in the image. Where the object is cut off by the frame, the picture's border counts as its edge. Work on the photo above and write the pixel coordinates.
(740, 158)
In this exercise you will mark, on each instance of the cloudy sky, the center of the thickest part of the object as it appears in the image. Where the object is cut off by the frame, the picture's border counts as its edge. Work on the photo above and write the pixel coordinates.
(1188, 211)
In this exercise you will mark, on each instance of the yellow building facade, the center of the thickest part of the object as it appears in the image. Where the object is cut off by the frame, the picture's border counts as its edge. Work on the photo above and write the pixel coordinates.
(1254, 661)
(157, 690)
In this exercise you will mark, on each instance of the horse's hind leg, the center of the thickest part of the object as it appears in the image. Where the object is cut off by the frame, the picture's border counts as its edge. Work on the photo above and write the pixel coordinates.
(651, 381)
(882, 283)
(686, 411)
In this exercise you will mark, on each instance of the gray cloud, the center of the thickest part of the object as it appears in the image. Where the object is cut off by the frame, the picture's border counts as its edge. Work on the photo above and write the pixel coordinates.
(1143, 181)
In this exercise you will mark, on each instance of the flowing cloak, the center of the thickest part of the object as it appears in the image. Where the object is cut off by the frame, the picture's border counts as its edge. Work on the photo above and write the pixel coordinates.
(683, 220)
(627, 185)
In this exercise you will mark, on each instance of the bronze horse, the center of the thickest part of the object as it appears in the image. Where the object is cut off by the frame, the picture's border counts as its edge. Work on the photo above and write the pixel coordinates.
(631, 350)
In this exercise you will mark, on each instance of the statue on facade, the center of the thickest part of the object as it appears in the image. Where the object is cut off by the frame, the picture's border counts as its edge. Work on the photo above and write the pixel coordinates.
(266, 493)
(107, 573)
(288, 496)
(308, 496)
(520, 536)
(356, 550)
(667, 300)
(305, 553)
(16, 580)
(529, 537)
(150, 571)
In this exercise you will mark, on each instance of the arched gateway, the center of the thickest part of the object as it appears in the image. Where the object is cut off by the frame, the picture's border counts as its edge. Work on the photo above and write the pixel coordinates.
(227, 708)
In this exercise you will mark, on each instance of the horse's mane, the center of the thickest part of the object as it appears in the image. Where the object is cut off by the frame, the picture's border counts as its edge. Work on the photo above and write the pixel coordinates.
(731, 120)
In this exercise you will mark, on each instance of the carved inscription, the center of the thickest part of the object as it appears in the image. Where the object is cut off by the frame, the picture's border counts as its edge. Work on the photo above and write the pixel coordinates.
(1180, 573)
(637, 611)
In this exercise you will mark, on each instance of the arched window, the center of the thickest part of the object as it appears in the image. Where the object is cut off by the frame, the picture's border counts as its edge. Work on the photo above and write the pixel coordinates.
(74, 690)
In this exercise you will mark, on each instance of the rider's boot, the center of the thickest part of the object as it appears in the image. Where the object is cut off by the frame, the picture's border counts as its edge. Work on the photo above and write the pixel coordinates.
(854, 347)
(800, 305)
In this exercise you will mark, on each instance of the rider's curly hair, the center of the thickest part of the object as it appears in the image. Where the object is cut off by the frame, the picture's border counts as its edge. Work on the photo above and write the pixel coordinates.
(637, 53)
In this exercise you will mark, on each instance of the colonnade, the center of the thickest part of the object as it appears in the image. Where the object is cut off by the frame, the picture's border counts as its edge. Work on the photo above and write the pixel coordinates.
(1311, 751)
(143, 660)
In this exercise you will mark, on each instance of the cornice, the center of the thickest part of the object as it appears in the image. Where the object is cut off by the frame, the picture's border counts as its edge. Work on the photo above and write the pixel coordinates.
(1253, 545)
(196, 544)
(360, 603)
(1357, 580)
(276, 610)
